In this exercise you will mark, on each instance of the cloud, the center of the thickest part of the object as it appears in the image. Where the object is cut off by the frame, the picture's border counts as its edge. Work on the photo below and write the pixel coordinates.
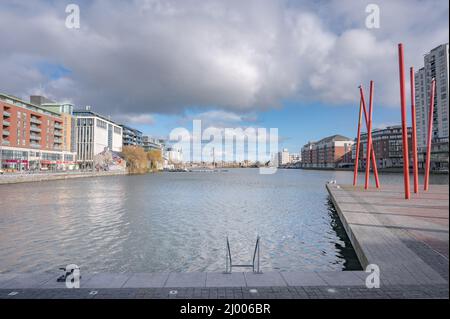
(141, 119)
(165, 56)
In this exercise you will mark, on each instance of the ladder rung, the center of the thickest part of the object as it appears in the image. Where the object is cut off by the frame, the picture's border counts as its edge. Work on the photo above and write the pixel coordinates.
(241, 265)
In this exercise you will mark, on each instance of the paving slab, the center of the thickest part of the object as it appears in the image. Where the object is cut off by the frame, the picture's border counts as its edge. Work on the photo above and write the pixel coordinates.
(106, 280)
(217, 279)
(303, 278)
(343, 278)
(265, 279)
(146, 280)
(27, 280)
(186, 279)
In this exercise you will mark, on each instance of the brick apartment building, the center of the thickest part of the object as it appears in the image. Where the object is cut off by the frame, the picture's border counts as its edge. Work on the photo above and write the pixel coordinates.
(31, 137)
(329, 152)
(388, 147)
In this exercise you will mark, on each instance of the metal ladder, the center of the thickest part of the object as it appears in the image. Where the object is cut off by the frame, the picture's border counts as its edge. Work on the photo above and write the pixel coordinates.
(256, 257)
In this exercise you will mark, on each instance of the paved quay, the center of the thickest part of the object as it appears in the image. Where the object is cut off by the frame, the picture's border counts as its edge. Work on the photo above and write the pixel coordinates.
(42, 176)
(269, 285)
(407, 239)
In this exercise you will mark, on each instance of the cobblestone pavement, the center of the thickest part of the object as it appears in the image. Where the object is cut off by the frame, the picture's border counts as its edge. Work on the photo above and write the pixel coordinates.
(311, 292)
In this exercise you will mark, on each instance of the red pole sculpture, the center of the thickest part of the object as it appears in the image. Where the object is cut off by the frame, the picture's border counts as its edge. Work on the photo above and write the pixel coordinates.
(374, 161)
(355, 173)
(414, 133)
(404, 128)
(369, 138)
(430, 131)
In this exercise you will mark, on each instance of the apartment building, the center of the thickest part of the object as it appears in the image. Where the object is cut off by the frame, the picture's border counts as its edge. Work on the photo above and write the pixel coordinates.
(32, 137)
(436, 65)
(131, 136)
(329, 152)
(388, 147)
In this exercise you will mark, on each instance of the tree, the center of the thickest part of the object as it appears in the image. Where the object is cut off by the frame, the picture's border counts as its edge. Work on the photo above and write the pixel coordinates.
(136, 159)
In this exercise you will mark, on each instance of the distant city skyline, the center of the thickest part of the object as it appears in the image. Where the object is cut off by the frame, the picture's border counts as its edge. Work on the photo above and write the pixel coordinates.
(295, 66)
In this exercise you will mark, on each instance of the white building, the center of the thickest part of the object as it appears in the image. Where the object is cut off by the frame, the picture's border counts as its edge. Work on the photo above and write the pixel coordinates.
(283, 157)
(173, 155)
(435, 66)
(94, 133)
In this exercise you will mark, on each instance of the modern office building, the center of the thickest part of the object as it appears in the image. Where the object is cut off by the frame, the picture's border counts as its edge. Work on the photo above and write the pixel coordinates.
(436, 64)
(32, 137)
(94, 134)
(388, 147)
(329, 152)
(131, 136)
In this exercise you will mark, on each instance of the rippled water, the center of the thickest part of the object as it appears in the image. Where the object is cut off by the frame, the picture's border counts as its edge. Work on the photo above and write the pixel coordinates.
(175, 222)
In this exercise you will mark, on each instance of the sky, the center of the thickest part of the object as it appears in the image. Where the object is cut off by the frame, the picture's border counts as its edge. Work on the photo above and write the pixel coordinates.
(159, 64)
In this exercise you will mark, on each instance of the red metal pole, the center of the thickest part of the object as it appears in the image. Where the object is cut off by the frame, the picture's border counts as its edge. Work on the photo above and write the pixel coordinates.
(374, 161)
(414, 133)
(355, 173)
(369, 138)
(430, 131)
(404, 128)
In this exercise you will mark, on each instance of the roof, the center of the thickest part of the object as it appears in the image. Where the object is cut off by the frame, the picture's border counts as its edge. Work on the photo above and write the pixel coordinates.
(333, 138)
(92, 114)
(21, 103)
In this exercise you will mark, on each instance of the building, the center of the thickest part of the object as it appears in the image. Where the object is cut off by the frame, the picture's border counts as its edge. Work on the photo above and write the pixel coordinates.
(66, 112)
(435, 66)
(388, 147)
(307, 153)
(173, 155)
(149, 143)
(283, 157)
(294, 158)
(131, 136)
(94, 134)
(329, 152)
(32, 137)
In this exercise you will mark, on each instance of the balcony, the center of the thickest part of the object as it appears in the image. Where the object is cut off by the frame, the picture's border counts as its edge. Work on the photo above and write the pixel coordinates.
(5, 133)
(58, 133)
(35, 129)
(58, 126)
(6, 123)
(35, 121)
(5, 142)
(35, 137)
(34, 145)
(6, 114)
(57, 141)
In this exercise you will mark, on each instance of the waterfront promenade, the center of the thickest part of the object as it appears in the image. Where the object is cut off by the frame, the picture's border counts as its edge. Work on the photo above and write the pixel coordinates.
(407, 239)
(50, 176)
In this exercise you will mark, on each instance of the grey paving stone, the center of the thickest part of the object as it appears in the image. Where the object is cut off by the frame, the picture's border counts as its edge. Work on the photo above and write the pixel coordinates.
(106, 280)
(264, 279)
(27, 280)
(216, 279)
(188, 279)
(146, 280)
(303, 278)
(341, 278)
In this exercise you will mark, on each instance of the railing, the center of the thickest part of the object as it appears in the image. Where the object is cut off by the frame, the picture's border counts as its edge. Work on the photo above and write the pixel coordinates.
(255, 260)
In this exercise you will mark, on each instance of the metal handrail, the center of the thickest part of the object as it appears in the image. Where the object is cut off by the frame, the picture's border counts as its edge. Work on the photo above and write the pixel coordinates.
(229, 263)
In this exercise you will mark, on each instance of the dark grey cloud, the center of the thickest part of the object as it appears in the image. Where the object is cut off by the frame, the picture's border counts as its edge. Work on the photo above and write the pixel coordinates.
(140, 57)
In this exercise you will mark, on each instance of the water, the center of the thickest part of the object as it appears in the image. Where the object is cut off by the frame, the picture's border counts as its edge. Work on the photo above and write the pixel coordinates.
(176, 222)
